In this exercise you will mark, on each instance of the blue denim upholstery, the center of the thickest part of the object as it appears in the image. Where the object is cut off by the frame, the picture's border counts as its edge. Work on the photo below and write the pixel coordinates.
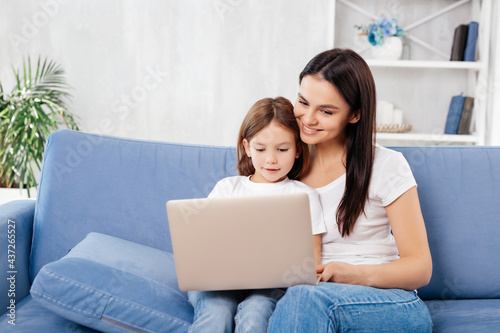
(119, 187)
(106, 280)
(32, 317)
(16, 217)
(459, 192)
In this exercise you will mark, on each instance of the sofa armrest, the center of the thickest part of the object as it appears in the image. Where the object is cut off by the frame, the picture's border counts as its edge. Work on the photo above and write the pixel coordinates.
(16, 230)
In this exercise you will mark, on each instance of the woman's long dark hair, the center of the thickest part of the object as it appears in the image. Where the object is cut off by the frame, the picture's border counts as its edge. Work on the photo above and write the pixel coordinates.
(350, 74)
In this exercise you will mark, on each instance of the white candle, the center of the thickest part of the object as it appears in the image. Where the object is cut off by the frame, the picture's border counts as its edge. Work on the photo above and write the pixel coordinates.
(397, 117)
(385, 111)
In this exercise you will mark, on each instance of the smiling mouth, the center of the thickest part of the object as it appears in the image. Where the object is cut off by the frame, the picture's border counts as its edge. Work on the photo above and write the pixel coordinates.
(309, 130)
(271, 170)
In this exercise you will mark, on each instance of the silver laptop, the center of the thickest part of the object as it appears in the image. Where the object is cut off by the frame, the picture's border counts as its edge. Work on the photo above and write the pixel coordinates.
(242, 243)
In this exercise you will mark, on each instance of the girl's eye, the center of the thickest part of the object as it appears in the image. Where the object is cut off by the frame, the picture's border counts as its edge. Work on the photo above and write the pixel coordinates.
(259, 149)
(283, 150)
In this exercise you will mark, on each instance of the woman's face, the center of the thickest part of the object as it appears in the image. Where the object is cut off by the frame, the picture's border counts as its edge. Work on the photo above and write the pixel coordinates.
(321, 112)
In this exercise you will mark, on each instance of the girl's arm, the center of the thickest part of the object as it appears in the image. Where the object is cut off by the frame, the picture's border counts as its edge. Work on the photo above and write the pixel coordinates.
(414, 267)
(317, 248)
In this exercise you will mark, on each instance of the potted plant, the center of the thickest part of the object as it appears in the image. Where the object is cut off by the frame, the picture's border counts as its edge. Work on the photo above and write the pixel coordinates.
(385, 37)
(36, 106)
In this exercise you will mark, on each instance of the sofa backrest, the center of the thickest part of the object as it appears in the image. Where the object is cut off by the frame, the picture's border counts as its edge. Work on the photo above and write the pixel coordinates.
(459, 193)
(117, 187)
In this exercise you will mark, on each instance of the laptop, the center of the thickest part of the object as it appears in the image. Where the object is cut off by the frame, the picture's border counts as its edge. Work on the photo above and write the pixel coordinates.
(248, 242)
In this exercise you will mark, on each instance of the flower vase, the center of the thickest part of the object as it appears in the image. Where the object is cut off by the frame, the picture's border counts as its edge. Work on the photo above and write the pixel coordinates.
(391, 49)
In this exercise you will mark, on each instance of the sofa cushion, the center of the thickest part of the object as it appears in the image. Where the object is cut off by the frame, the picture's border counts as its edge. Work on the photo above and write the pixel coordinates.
(33, 318)
(458, 188)
(114, 285)
(118, 187)
(465, 315)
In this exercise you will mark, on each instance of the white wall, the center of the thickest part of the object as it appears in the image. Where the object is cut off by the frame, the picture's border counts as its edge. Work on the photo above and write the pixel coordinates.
(177, 70)
(493, 118)
(188, 70)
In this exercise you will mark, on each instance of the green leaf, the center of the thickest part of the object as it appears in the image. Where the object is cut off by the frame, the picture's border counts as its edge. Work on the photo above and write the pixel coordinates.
(37, 106)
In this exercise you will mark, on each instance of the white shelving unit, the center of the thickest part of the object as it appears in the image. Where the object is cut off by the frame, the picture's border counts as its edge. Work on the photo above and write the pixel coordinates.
(475, 66)
(429, 138)
(475, 73)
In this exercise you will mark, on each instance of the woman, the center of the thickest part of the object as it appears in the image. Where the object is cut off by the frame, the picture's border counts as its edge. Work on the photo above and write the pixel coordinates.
(375, 251)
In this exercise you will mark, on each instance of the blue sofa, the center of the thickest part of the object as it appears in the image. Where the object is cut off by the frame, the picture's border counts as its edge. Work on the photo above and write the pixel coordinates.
(93, 252)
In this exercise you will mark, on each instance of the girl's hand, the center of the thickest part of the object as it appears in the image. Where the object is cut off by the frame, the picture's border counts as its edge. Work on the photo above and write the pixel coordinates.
(339, 272)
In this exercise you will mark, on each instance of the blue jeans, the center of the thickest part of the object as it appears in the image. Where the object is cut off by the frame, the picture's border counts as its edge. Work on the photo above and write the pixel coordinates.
(233, 310)
(334, 307)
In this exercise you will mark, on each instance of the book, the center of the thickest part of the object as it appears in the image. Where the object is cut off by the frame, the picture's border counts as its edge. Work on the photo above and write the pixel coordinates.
(470, 44)
(454, 114)
(459, 41)
(465, 118)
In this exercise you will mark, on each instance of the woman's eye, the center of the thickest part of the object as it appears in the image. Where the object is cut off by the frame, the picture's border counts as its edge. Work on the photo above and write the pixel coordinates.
(326, 112)
(303, 103)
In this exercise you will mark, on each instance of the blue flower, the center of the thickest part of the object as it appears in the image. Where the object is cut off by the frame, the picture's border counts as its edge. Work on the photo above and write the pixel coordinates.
(399, 32)
(375, 37)
(379, 29)
(388, 26)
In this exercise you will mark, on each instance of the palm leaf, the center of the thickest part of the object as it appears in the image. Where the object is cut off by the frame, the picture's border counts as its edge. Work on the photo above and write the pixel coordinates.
(37, 106)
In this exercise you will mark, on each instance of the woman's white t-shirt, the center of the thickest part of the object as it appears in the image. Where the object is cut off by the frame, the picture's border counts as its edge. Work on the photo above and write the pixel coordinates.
(239, 186)
(371, 240)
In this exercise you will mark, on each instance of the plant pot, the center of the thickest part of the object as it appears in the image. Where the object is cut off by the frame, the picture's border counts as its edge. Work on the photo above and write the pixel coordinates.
(391, 49)
(9, 194)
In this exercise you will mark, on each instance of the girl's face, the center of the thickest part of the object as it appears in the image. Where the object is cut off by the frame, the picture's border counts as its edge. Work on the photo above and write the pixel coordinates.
(321, 112)
(273, 153)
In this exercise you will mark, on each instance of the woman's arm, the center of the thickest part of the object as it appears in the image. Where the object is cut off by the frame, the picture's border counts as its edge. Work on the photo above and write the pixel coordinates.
(317, 248)
(413, 269)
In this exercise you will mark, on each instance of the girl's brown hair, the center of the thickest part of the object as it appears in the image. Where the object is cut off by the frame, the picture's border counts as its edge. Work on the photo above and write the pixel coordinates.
(350, 74)
(261, 114)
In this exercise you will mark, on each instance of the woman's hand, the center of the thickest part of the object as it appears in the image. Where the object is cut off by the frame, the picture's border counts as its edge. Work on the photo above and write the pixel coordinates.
(340, 272)
(414, 267)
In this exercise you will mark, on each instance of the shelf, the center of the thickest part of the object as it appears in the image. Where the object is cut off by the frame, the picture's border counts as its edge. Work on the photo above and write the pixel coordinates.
(429, 138)
(477, 65)
(424, 88)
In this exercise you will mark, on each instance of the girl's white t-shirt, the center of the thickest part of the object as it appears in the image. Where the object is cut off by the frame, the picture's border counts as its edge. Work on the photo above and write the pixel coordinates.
(371, 240)
(238, 186)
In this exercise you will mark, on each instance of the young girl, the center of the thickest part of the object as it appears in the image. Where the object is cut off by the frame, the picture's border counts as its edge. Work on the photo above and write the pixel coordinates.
(270, 156)
(375, 252)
